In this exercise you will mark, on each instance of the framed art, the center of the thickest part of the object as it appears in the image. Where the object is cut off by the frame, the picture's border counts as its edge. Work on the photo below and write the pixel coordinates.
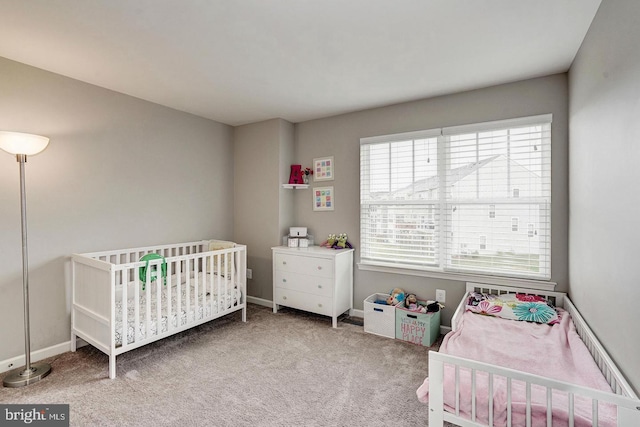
(323, 169)
(323, 199)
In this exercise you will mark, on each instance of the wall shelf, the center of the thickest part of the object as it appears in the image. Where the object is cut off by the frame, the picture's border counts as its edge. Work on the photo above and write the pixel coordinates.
(295, 186)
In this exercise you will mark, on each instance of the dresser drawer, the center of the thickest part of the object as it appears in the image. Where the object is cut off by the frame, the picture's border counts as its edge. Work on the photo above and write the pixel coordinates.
(321, 267)
(322, 286)
(303, 301)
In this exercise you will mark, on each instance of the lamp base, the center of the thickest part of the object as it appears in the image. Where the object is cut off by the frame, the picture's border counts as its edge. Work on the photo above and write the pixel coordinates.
(22, 377)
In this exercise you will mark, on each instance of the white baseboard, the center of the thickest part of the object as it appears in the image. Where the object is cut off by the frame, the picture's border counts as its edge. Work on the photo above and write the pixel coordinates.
(18, 361)
(259, 301)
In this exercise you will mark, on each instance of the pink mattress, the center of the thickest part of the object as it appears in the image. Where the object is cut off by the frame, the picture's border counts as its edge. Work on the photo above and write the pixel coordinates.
(555, 352)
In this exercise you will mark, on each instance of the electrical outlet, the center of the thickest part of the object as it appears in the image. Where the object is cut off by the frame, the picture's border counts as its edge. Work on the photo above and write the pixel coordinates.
(441, 295)
(249, 273)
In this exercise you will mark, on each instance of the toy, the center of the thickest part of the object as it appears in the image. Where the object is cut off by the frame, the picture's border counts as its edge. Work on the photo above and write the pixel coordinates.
(337, 241)
(434, 306)
(342, 240)
(153, 272)
(411, 304)
(396, 296)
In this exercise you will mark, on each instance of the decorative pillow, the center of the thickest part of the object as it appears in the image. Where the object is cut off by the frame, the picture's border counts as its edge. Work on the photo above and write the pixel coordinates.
(531, 308)
(215, 245)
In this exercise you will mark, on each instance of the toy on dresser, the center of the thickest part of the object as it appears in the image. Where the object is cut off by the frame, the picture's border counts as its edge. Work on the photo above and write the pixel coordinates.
(338, 241)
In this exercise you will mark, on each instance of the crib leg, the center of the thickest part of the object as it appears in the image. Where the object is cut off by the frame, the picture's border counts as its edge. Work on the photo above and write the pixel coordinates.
(436, 392)
(436, 418)
(112, 367)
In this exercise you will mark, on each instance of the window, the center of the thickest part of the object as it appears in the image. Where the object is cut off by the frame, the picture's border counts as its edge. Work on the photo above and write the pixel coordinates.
(426, 197)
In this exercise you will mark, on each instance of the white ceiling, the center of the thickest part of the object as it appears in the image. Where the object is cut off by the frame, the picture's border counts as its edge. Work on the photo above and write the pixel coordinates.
(243, 61)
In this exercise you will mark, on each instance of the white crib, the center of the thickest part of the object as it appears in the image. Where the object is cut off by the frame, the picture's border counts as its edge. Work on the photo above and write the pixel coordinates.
(120, 303)
(622, 397)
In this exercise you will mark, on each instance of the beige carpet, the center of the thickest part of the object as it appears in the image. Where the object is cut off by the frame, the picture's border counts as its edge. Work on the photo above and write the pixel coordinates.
(285, 369)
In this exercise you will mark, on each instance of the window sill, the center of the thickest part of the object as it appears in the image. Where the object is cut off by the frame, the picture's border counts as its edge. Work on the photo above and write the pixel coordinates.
(461, 277)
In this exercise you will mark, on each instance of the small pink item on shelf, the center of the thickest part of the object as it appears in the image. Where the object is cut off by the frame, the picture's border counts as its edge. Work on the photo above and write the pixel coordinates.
(296, 174)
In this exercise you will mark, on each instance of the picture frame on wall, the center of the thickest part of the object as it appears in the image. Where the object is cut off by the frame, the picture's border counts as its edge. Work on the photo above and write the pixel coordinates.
(323, 199)
(323, 169)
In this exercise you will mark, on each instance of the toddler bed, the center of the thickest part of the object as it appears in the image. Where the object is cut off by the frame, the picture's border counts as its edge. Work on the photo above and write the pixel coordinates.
(124, 299)
(549, 370)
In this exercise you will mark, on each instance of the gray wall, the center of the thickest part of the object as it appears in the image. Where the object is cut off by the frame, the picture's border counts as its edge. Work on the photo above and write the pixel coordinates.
(604, 115)
(263, 155)
(119, 172)
(339, 136)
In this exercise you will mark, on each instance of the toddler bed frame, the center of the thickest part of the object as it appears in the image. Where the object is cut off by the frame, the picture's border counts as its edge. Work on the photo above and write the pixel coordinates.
(622, 397)
(120, 302)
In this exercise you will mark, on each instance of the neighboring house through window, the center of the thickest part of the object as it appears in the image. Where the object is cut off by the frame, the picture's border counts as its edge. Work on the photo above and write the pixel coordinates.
(424, 198)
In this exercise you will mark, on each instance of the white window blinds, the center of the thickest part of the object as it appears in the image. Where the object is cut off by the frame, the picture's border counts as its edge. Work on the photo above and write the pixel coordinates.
(472, 199)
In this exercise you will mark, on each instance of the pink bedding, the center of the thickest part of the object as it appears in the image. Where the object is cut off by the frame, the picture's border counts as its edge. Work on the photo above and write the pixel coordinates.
(554, 351)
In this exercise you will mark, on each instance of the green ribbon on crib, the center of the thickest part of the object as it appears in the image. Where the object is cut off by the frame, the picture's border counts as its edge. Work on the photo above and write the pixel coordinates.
(153, 274)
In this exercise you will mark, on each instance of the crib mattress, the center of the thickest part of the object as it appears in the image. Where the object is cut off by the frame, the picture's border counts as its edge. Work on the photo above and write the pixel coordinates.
(208, 304)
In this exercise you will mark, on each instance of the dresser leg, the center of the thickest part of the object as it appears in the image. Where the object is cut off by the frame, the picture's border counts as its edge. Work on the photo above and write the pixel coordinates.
(335, 322)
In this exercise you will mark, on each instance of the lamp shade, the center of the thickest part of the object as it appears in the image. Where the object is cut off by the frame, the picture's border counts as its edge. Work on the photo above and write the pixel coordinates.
(22, 143)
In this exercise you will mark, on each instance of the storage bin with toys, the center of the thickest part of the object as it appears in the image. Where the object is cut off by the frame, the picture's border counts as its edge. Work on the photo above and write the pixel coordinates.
(380, 313)
(418, 321)
(402, 316)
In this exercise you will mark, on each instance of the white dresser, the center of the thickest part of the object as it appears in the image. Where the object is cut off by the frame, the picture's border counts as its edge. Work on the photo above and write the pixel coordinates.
(314, 279)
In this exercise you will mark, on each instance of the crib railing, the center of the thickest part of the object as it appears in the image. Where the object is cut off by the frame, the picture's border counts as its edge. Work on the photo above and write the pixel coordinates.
(126, 256)
(606, 365)
(628, 409)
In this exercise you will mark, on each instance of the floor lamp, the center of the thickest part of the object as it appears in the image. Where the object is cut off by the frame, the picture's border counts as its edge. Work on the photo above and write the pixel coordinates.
(23, 145)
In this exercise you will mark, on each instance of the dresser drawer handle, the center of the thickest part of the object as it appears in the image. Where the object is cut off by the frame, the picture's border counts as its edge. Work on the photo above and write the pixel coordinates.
(284, 297)
(284, 262)
(320, 305)
(319, 286)
(284, 280)
(319, 267)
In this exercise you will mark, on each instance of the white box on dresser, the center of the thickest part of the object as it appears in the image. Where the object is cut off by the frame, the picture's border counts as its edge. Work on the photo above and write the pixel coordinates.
(314, 279)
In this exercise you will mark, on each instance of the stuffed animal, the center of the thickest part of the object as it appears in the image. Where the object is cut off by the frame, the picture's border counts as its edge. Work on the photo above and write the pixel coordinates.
(411, 304)
(337, 241)
(411, 301)
(434, 306)
(396, 296)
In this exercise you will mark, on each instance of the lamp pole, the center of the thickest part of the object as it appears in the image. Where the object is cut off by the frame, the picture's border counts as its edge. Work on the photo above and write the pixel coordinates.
(22, 159)
(31, 373)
